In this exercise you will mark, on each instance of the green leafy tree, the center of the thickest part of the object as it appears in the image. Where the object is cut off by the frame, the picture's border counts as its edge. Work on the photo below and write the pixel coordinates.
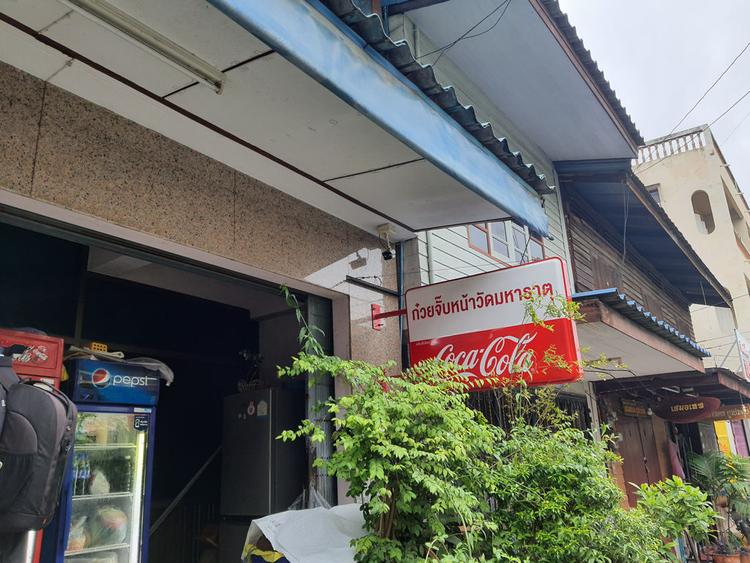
(436, 481)
(678, 508)
(413, 450)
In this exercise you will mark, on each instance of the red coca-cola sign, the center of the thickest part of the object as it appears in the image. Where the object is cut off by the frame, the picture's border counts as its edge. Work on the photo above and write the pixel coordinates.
(484, 325)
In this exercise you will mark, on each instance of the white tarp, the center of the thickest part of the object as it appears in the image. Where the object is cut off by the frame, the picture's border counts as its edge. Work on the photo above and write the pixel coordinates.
(315, 535)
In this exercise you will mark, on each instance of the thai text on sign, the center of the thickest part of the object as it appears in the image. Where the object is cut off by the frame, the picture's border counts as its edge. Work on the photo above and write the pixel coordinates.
(483, 325)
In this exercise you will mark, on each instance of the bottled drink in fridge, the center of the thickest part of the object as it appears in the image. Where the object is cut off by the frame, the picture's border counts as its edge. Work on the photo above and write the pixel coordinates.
(76, 473)
(85, 475)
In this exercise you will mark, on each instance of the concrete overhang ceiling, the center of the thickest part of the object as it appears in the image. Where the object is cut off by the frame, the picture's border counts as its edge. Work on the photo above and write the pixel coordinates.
(527, 67)
(636, 357)
(271, 120)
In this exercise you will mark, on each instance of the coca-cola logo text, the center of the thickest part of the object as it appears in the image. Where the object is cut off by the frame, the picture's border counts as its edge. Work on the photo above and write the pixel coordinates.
(505, 355)
(32, 355)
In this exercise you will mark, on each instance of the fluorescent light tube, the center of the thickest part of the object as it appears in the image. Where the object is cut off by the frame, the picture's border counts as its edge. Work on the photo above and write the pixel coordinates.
(150, 40)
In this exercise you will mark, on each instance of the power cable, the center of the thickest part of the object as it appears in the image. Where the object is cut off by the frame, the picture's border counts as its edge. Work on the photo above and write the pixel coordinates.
(721, 337)
(626, 212)
(735, 128)
(695, 105)
(745, 95)
(497, 21)
(525, 249)
(702, 130)
(463, 35)
(732, 297)
(466, 35)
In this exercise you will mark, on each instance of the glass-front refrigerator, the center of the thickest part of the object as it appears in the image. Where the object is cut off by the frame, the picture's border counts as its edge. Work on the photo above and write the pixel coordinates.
(105, 507)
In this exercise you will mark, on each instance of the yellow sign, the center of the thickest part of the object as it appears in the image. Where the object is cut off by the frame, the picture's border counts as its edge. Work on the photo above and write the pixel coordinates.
(723, 436)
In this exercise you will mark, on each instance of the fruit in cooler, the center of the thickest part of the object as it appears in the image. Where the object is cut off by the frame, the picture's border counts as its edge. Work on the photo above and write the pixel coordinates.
(78, 538)
(108, 526)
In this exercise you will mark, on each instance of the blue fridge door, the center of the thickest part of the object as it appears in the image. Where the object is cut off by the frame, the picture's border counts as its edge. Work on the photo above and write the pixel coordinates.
(108, 492)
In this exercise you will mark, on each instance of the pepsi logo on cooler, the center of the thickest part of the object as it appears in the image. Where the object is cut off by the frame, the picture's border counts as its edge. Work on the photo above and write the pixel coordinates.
(115, 382)
(100, 377)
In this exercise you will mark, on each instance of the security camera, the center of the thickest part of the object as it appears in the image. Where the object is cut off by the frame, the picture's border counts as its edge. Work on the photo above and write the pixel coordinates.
(385, 232)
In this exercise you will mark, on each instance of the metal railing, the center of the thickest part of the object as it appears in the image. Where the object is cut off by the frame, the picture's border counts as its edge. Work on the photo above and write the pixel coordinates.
(183, 530)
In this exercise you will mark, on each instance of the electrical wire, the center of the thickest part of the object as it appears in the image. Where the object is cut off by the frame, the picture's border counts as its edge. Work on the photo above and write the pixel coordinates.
(626, 212)
(525, 249)
(721, 337)
(703, 130)
(732, 297)
(462, 36)
(730, 108)
(497, 21)
(466, 35)
(695, 105)
(735, 128)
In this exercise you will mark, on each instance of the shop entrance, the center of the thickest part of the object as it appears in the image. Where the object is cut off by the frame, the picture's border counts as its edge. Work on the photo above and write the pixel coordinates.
(220, 336)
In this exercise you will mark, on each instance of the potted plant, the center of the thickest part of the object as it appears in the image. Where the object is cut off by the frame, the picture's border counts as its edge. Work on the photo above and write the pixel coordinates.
(726, 479)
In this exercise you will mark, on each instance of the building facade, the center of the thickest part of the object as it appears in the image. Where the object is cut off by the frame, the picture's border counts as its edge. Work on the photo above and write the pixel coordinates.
(499, 91)
(637, 317)
(687, 174)
(165, 166)
(634, 275)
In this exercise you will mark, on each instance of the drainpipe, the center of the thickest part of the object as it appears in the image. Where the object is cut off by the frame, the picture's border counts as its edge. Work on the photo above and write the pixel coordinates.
(430, 263)
(401, 304)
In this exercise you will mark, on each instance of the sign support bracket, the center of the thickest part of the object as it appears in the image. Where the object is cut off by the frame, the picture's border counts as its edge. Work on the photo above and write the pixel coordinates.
(378, 315)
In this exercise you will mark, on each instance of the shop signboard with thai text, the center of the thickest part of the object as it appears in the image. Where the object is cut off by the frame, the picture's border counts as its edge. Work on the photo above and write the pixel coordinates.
(732, 412)
(485, 325)
(684, 409)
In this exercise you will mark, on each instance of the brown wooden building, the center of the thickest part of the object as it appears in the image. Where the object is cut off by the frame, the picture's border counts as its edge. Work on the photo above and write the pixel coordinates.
(636, 277)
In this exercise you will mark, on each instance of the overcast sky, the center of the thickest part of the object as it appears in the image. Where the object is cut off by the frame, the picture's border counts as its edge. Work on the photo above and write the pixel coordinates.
(660, 56)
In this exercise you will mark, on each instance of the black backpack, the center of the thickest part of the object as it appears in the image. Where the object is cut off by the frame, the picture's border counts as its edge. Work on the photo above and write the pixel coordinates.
(37, 426)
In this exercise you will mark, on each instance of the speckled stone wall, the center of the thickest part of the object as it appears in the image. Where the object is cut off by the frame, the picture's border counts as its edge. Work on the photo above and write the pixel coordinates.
(58, 148)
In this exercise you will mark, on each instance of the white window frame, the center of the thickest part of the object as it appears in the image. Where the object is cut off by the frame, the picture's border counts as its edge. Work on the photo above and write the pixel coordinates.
(514, 256)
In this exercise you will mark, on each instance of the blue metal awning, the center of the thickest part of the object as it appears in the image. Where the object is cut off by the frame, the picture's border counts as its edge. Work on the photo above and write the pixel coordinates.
(316, 41)
(614, 195)
(637, 313)
(370, 28)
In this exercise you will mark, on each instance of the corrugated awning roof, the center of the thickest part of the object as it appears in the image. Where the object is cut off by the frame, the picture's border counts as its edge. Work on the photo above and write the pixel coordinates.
(584, 55)
(370, 28)
(455, 179)
(637, 313)
(612, 192)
